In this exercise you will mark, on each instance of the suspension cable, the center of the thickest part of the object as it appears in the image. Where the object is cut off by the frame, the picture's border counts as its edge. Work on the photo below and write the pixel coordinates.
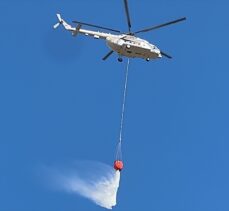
(123, 103)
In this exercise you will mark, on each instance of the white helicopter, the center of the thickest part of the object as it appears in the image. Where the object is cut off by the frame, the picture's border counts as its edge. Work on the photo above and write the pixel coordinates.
(126, 44)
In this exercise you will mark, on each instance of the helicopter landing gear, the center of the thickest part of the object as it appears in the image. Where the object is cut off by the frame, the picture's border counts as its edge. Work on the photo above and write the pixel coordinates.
(147, 59)
(120, 59)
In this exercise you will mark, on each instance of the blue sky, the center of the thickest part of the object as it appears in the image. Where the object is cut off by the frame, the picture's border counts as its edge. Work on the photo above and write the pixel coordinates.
(60, 102)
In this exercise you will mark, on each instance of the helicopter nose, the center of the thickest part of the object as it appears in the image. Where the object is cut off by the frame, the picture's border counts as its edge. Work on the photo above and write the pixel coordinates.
(157, 51)
(159, 54)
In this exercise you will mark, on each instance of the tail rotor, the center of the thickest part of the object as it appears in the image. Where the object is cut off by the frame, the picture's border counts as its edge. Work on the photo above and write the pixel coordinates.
(59, 23)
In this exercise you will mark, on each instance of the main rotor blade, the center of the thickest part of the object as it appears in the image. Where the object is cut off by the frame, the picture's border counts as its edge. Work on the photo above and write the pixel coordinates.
(166, 55)
(96, 26)
(105, 57)
(127, 15)
(161, 25)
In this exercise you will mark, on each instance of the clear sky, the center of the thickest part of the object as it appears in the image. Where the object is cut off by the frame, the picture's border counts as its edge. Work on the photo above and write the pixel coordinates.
(59, 102)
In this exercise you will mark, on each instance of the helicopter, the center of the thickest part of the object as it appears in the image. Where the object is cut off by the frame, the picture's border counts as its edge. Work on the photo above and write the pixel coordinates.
(124, 44)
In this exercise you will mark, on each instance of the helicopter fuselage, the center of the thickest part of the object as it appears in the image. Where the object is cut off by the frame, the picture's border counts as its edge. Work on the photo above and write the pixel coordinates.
(132, 47)
(124, 45)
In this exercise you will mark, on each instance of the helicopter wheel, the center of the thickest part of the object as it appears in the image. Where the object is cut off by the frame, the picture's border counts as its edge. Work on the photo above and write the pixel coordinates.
(120, 59)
